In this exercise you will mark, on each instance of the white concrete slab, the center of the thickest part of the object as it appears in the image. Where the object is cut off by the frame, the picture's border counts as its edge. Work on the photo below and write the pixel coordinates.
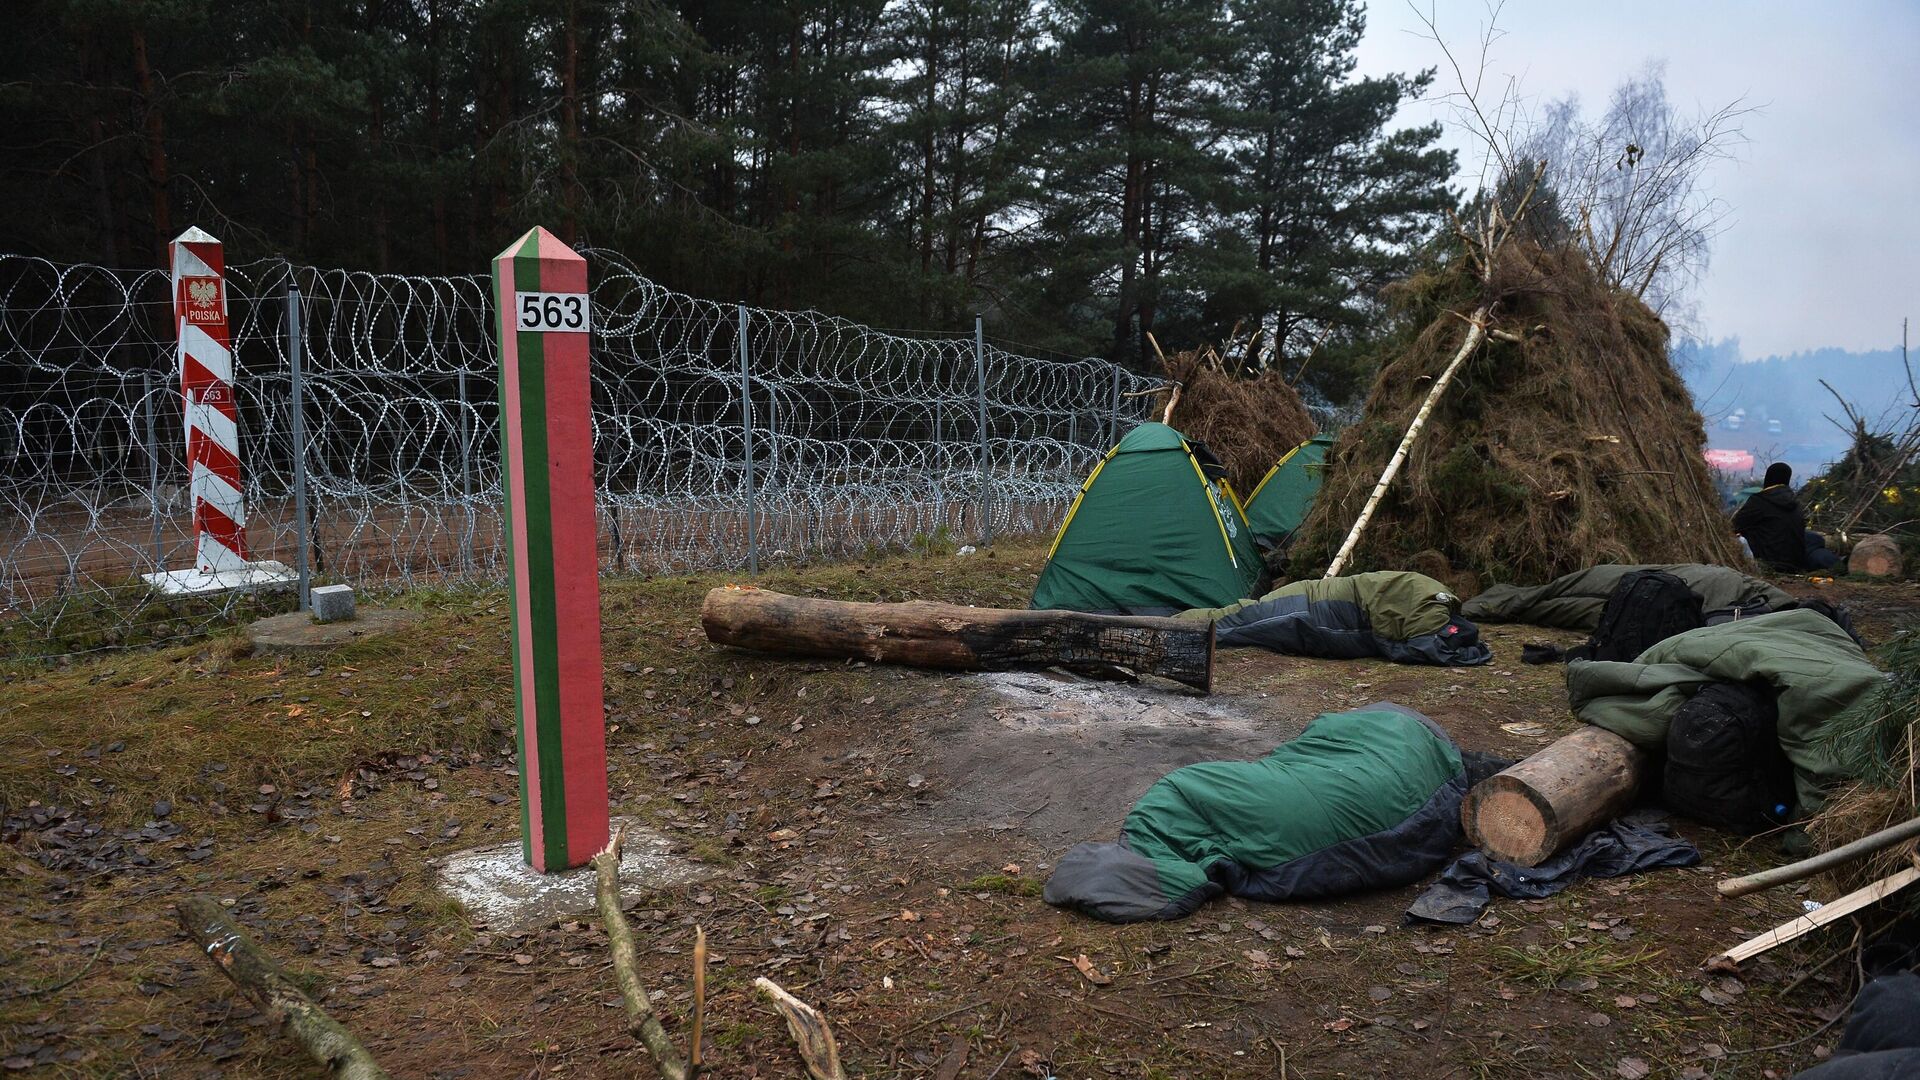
(265, 574)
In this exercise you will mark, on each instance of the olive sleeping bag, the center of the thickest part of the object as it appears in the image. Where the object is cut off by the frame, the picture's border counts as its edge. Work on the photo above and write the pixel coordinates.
(1398, 615)
(1574, 601)
(1813, 667)
(1365, 799)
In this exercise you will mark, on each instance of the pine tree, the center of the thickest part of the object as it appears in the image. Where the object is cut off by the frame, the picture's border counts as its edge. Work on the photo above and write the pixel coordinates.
(1329, 200)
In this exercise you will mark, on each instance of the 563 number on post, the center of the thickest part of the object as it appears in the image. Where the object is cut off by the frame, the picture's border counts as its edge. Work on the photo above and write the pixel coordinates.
(552, 313)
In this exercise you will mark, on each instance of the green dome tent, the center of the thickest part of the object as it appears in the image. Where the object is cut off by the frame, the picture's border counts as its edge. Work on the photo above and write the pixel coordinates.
(1278, 506)
(1151, 532)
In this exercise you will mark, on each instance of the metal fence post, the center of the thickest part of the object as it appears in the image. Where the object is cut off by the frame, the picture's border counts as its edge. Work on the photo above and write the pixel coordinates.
(980, 398)
(466, 471)
(150, 406)
(1113, 437)
(746, 426)
(301, 568)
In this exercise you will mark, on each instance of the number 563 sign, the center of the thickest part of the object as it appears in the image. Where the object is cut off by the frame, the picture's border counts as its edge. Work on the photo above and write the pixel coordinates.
(552, 313)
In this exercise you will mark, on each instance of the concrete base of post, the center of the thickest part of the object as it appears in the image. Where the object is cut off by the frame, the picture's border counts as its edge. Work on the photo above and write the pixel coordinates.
(296, 632)
(499, 890)
(265, 574)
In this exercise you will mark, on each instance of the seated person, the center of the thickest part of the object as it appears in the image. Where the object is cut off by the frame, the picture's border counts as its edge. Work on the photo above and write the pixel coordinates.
(1776, 529)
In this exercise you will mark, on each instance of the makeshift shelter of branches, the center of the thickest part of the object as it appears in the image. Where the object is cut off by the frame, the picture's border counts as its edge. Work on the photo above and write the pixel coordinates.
(1565, 440)
(1247, 421)
(1873, 488)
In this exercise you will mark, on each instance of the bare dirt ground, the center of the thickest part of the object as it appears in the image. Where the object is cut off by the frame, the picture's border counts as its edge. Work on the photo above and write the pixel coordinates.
(876, 840)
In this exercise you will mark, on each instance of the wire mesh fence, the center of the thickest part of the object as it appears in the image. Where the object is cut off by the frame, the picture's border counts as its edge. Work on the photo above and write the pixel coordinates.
(835, 438)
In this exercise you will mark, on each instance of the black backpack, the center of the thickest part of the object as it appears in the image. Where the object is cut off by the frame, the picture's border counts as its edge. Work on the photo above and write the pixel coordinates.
(1841, 617)
(1724, 762)
(1645, 607)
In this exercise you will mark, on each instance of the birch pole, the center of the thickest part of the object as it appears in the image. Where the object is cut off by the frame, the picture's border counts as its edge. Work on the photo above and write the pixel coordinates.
(1476, 333)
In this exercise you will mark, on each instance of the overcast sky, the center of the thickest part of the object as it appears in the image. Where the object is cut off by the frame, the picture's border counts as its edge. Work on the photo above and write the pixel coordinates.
(1823, 244)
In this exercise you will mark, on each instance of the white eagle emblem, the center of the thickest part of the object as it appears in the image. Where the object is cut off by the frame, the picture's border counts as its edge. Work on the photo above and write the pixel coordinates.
(205, 291)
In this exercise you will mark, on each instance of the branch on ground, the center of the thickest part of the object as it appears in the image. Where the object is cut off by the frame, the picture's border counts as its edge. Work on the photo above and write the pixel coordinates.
(263, 980)
(641, 1019)
(811, 1035)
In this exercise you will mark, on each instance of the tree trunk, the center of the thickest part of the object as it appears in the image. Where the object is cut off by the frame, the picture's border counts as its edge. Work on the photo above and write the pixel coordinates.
(442, 256)
(925, 634)
(927, 172)
(1534, 809)
(156, 146)
(382, 239)
(570, 128)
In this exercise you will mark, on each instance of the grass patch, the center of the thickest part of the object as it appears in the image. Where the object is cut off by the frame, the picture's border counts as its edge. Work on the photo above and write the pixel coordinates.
(1005, 884)
(1548, 966)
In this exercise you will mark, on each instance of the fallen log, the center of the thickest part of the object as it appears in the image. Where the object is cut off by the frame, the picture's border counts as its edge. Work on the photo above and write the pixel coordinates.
(1545, 803)
(320, 1035)
(925, 634)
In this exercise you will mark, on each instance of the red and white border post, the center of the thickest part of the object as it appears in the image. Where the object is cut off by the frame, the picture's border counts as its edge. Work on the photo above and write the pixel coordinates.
(204, 349)
(546, 449)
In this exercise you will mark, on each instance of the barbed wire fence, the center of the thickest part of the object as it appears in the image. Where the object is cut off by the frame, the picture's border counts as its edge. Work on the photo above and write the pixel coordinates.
(835, 438)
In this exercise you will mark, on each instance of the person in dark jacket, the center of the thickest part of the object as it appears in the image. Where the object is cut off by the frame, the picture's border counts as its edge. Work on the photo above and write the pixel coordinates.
(1776, 529)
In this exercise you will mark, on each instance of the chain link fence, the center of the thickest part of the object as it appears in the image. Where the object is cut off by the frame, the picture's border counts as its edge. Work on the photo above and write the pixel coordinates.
(836, 438)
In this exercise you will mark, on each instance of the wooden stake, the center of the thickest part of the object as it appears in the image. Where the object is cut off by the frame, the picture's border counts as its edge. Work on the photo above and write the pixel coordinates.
(1814, 920)
(699, 1000)
(641, 1019)
(325, 1039)
(1826, 860)
(926, 634)
(1476, 331)
(811, 1035)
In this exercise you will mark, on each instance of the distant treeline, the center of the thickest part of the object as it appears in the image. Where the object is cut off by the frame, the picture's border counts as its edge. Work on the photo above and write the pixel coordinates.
(1084, 171)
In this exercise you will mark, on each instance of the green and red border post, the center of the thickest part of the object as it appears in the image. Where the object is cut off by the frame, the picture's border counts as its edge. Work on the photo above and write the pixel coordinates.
(546, 451)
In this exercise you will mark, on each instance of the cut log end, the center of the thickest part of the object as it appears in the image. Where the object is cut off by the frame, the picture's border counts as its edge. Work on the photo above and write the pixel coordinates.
(1514, 823)
(1543, 804)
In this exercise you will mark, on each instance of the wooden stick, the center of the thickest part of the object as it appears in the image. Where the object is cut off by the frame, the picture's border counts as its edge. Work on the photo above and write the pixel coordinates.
(811, 1035)
(255, 973)
(1151, 340)
(626, 964)
(1826, 860)
(699, 1000)
(1814, 920)
(926, 634)
(1476, 332)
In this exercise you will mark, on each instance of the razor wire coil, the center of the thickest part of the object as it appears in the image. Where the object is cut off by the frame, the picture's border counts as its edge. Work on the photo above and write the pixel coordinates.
(862, 439)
